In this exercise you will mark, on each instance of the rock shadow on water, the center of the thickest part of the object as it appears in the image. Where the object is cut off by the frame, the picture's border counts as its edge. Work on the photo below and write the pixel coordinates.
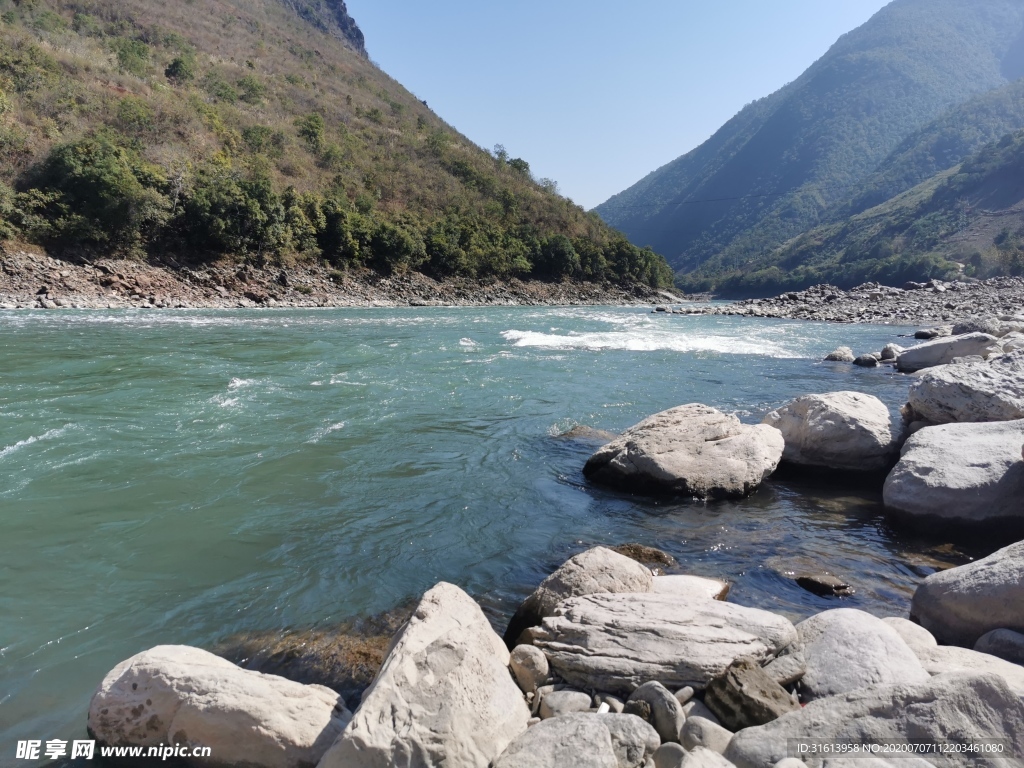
(344, 657)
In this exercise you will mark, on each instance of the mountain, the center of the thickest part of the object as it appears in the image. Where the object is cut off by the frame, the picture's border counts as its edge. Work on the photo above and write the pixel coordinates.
(332, 16)
(874, 116)
(968, 219)
(260, 130)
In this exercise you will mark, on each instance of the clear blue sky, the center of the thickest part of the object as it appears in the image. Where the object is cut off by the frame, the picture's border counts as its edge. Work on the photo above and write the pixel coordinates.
(595, 94)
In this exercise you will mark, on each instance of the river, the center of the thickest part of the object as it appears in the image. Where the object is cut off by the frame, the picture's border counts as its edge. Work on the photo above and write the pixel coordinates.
(177, 477)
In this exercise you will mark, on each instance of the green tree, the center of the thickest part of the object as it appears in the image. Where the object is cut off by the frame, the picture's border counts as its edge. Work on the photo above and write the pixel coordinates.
(181, 70)
(312, 130)
(102, 194)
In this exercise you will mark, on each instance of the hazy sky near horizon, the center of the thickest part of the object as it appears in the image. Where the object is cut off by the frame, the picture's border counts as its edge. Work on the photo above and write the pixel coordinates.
(595, 94)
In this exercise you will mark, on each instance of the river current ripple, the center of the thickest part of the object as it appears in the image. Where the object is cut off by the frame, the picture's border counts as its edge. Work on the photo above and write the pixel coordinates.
(180, 477)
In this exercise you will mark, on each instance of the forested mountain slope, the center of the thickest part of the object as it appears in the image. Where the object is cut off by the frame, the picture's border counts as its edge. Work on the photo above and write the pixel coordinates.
(786, 162)
(965, 221)
(259, 129)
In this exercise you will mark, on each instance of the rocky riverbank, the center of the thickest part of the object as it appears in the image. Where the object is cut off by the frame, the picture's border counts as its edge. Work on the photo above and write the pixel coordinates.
(30, 279)
(912, 304)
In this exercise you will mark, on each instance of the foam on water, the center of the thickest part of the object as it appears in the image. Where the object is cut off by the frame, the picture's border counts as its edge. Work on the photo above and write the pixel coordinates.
(651, 340)
(48, 435)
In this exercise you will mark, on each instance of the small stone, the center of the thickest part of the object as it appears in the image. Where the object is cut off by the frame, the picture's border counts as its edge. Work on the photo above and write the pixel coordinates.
(615, 704)
(667, 715)
(639, 708)
(1004, 643)
(790, 762)
(697, 708)
(683, 695)
(669, 756)
(530, 667)
(698, 732)
(565, 702)
(786, 670)
(746, 696)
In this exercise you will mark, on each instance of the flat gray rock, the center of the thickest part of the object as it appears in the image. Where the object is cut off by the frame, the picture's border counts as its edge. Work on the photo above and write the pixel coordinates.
(617, 642)
(692, 450)
(964, 473)
(944, 350)
(960, 605)
(595, 571)
(942, 709)
(838, 430)
(990, 390)
(847, 649)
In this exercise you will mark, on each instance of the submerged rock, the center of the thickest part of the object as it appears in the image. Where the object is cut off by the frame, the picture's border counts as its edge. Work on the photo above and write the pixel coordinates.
(444, 695)
(175, 694)
(617, 642)
(962, 473)
(595, 571)
(839, 430)
(691, 450)
(650, 556)
(971, 391)
(960, 605)
(344, 657)
(824, 584)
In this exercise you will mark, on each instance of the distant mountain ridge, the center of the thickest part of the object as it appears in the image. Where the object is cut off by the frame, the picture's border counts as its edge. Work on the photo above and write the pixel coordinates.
(914, 90)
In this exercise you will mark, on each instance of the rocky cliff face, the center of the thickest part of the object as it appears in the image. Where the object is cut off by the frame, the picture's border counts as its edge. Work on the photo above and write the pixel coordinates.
(332, 17)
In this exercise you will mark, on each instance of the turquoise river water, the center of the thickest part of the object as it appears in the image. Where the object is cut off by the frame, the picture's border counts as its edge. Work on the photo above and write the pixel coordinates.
(180, 477)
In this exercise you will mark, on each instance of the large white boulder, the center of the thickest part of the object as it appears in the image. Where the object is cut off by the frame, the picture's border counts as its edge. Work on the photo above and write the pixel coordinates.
(950, 658)
(595, 571)
(583, 741)
(175, 694)
(943, 709)
(444, 695)
(838, 430)
(964, 473)
(615, 643)
(944, 350)
(987, 390)
(846, 649)
(960, 605)
(691, 450)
